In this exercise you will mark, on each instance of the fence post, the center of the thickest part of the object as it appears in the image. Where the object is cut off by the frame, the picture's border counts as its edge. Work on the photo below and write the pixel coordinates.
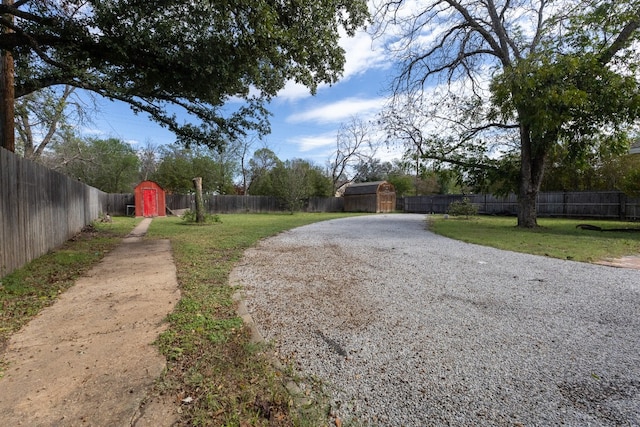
(622, 198)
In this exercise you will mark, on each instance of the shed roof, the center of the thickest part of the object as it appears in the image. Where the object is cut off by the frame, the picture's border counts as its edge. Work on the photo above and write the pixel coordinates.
(635, 147)
(149, 183)
(363, 188)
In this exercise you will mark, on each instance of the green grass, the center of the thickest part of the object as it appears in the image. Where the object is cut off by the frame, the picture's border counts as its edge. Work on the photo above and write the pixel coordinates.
(29, 289)
(557, 238)
(210, 357)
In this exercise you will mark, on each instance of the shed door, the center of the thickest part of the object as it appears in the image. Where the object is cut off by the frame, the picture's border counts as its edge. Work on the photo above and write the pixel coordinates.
(149, 202)
(386, 202)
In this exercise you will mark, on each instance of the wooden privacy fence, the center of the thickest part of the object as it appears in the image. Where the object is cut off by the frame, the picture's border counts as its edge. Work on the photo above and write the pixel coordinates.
(120, 205)
(226, 203)
(591, 204)
(325, 204)
(40, 209)
(251, 204)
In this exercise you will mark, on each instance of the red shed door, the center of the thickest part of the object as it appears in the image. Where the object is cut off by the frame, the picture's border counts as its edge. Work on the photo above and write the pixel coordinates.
(149, 202)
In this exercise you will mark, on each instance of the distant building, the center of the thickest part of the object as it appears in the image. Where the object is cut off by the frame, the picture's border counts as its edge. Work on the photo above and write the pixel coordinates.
(377, 196)
(150, 200)
(635, 147)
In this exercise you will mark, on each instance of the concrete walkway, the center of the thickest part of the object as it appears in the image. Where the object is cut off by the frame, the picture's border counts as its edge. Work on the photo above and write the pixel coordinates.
(88, 360)
(631, 261)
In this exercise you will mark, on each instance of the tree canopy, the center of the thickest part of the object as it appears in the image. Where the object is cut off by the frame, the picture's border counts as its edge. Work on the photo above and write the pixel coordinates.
(202, 57)
(293, 182)
(481, 80)
(178, 166)
(110, 165)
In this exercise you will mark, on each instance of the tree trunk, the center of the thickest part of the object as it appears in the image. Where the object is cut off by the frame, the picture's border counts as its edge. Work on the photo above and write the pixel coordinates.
(7, 92)
(197, 184)
(532, 164)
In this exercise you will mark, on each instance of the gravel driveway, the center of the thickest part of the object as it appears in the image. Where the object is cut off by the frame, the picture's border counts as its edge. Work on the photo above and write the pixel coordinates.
(407, 328)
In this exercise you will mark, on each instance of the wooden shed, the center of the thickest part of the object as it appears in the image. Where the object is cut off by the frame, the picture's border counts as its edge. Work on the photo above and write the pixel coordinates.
(377, 196)
(150, 199)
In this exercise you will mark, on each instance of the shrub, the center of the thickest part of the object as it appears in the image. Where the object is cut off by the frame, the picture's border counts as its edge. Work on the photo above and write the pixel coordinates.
(463, 207)
(190, 216)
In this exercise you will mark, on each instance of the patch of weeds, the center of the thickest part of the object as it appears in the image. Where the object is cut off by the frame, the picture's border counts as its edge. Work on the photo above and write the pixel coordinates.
(191, 217)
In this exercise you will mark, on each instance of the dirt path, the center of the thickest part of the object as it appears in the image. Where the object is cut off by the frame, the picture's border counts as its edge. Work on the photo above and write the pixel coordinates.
(631, 261)
(88, 359)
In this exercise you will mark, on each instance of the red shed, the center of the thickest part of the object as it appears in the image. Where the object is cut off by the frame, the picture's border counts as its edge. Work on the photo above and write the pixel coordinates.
(150, 199)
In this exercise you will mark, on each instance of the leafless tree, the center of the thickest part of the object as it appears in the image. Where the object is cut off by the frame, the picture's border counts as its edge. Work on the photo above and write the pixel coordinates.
(355, 142)
(44, 116)
(244, 147)
(148, 156)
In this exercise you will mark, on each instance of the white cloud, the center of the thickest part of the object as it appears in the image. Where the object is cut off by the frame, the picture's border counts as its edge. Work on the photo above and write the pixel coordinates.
(361, 54)
(314, 142)
(322, 147)
(293, 91)
(390, 153)
(91, 131)
(340, 110)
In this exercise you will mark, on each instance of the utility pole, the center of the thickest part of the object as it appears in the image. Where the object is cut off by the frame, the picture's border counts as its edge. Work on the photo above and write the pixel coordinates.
(7, 92)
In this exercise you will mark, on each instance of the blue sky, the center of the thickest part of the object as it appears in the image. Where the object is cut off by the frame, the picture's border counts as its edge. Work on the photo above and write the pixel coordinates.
(303, 126)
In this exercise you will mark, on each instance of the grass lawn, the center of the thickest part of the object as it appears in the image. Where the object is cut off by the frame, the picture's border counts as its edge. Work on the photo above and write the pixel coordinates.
(557, 238)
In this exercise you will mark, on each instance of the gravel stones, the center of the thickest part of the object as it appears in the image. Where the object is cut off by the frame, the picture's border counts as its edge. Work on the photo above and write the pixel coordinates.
(408, 328)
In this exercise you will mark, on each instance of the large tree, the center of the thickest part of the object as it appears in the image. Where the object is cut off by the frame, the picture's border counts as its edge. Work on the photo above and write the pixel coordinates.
(599, 170)
(295, 181)
(261, 166)
(291, 181)
(368, 170)
(178, 166)
(194, 55)
(110, 165)
(526, 74)
(149, 156)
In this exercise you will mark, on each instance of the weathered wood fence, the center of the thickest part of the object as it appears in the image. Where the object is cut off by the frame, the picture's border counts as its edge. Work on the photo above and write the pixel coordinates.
(123, 204)
(251, 204)
(40, 209)
(591, 204)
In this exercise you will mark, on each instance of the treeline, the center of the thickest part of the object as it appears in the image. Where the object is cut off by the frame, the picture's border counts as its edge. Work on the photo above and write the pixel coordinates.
(115, 166)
